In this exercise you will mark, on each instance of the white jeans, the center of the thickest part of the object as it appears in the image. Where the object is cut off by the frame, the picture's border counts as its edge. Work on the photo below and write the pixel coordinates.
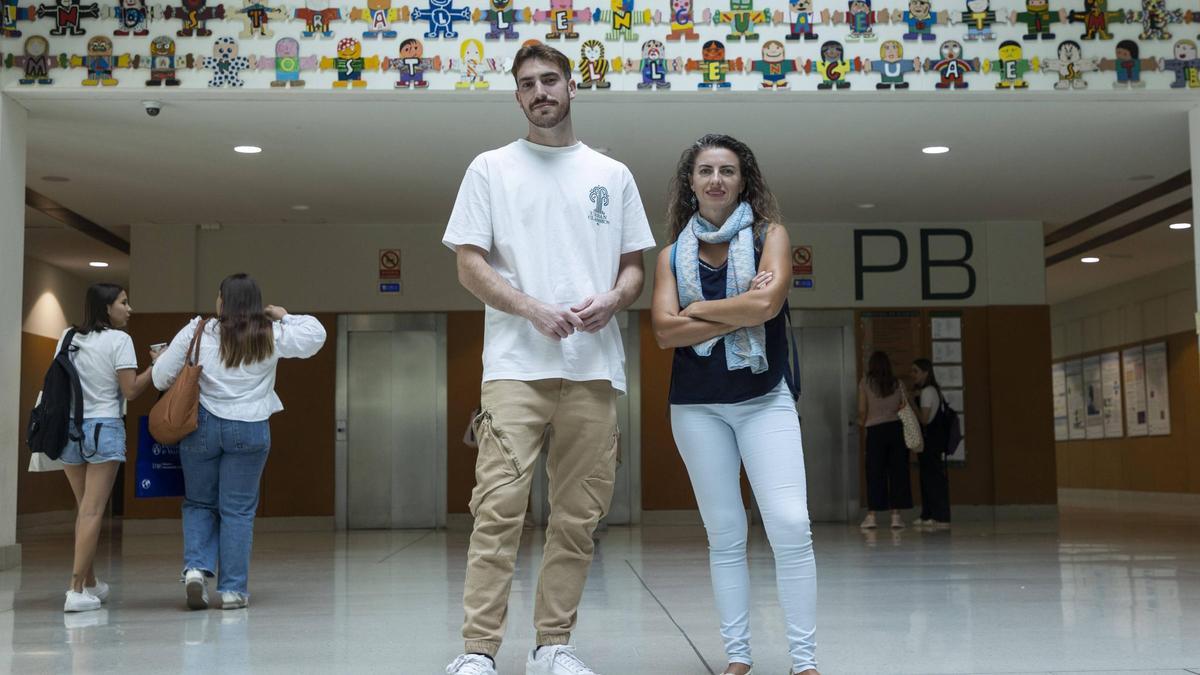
(764, 434)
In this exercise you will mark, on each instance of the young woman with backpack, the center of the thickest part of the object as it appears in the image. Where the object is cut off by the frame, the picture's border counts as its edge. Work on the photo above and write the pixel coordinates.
(935, 483)
(104, 358)
(223, 458)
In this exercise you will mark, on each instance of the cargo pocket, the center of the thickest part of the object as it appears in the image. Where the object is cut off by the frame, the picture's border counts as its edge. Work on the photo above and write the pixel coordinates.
(600, 483)
(496, 466)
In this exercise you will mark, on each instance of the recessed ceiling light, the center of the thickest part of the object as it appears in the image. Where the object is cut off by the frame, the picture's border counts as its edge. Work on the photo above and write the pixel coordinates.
(56, 179)
(935, 150)
(247, 149)
(300, 207)
(1181, 226)
(865, 205)
(97, 263)
(1089, 259)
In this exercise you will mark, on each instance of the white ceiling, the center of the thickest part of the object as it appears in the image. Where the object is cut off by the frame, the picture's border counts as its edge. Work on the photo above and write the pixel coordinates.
(374, 157)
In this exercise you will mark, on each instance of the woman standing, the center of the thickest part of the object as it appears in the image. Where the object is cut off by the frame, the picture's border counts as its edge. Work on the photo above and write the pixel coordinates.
(720, 297)
(880, 397)
(105, 360)
(224, 457)
(935, 484)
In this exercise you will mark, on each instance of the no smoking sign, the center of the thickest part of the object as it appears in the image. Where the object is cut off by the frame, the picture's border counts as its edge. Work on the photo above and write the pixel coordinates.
(389, 263)
(802, 261)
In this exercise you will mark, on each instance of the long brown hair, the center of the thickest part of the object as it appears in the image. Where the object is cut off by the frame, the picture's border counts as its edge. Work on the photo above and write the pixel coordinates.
(246, 333)
(682, 201)
(880, 377)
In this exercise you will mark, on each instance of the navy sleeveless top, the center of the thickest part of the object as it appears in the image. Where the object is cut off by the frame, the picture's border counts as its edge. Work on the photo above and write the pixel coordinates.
(707, 379)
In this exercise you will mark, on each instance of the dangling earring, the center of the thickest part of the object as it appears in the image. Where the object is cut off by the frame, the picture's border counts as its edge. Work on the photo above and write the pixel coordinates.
(695, 201)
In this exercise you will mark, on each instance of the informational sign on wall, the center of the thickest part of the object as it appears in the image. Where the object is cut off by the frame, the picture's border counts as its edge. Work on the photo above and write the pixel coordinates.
(802, 267)
(1158, 398)
(1133, 364)
(945, 331)
(1110, 375)
(1093, 398)
(1076, 403)
(1058, 379)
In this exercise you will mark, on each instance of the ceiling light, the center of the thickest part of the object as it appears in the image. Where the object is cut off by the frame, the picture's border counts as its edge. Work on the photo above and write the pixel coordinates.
(247, 149)
(300, 207)
(1089, 259)
(97, 263)
(935, 150)
(865, 205)
(1181, 226)
(56, 179)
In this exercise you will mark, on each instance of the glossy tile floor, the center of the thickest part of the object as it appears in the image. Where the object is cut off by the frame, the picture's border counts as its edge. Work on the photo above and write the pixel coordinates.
(1088, 593)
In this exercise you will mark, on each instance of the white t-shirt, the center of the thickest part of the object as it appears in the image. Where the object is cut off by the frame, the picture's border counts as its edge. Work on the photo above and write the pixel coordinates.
(245, 393)
(555, 223)
(931, 402)
(100, 355)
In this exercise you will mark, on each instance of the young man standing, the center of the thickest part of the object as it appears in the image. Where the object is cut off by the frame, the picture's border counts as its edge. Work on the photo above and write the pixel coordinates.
(549, 235)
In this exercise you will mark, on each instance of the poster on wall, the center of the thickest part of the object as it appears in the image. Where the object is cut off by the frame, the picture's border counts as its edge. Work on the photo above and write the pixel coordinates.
(1110, 376)
(1134, 367)
(1158, 401)
(946, 328)
(1093, 398)
(1058, 376)
(1076, 405)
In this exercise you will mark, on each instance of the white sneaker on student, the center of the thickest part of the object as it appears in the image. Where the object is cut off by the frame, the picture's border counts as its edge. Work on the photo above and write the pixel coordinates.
(81, 602)
(556, 660)
(234, 600)
(197, 589)
(471, 664)
(100, 590)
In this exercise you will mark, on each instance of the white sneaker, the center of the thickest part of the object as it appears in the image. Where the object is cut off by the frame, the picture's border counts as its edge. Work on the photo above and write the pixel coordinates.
(81, 602)
(197, 589)
(868, 523)
(234, 600)
(556, 660)
(100, 590)
(471, 664)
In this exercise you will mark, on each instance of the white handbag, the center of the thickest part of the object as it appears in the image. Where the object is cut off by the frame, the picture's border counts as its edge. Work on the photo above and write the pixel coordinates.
(913, 438)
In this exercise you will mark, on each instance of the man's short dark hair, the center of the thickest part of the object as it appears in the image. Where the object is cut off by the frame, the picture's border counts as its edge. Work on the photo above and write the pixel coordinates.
(541, 52)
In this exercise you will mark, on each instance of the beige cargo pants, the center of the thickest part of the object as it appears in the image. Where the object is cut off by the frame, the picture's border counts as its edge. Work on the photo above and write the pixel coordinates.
(581, 465)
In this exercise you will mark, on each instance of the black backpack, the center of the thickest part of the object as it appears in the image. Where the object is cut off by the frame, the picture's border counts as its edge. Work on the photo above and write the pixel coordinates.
(50, 423)
(951, 426)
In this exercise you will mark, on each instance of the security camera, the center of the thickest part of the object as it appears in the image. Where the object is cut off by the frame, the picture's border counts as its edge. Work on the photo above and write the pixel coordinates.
(152, 108)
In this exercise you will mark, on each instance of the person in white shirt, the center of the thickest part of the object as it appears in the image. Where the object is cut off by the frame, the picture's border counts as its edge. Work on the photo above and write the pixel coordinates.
(223, 458)
(935, 480)
(549, 235)
(104, 358)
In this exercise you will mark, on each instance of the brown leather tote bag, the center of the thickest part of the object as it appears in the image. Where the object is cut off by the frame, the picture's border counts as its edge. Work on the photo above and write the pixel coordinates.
(175, 414)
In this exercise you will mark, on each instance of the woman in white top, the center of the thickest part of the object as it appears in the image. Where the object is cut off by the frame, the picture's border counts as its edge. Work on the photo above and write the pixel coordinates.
(935, 483)
(223, 458)
(104, 357)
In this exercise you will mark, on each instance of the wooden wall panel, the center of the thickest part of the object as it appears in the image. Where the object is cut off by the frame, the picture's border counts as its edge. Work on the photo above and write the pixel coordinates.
(1148, 463)
(665, 483)
(464, 373)
(298, 479)
(1022, 435)
(37, 492)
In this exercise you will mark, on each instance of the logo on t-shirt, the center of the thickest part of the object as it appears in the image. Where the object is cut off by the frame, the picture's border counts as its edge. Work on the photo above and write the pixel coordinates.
(599, 197)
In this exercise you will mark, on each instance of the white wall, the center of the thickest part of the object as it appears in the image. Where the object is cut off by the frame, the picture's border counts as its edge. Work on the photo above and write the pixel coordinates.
(335, 268)
(13, 122)
(52, 299)
(1153, 306)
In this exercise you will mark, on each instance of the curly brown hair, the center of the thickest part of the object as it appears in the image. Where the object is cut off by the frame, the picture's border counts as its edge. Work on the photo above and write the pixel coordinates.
(682, 201)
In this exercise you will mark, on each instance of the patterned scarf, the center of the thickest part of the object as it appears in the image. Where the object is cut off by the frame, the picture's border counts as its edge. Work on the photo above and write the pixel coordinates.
(744, 347)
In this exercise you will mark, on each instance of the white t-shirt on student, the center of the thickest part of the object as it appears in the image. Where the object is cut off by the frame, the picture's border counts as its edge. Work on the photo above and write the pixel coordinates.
(555, 223)
(930, 401)
(100, 354)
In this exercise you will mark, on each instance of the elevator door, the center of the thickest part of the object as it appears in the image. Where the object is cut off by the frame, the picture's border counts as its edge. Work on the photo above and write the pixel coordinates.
(395, 434)
(825, 419)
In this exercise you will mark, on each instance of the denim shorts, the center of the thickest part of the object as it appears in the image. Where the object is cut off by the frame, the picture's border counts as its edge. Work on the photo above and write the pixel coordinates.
(103, 441)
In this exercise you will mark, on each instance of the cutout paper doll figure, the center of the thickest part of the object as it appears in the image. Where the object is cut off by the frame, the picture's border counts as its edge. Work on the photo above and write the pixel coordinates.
(288, 64)
(562, 17)
(350, 64)
(1128, 65)
(951, 67)
(382, 18)
(412, 65)
(892, 66)
(1012, 66)
(1095, 17)
(227, 65)
(100, 61)
(36, 61)
(774, 66)
(1070, 66)
(833, 67)
(1037, 18)
(713, 66)
(1185, 65)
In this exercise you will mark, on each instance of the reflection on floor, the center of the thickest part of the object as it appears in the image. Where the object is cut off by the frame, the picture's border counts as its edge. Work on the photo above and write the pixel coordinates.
(1088, 593)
